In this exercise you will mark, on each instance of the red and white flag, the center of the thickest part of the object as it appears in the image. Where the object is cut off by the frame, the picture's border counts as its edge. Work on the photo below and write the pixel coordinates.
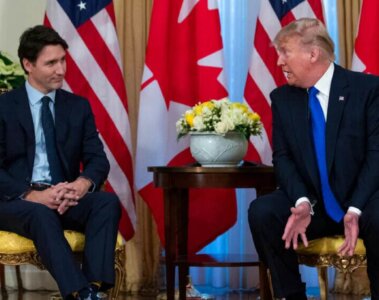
(94, 71)
(264, 74)
(366, 54)
(184, 66)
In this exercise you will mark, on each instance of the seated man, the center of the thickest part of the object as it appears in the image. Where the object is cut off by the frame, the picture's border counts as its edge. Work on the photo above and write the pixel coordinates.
(326, 158)
(52, 165)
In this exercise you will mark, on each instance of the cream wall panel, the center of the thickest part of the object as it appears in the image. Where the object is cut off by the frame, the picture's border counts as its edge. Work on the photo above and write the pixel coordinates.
(15, 17)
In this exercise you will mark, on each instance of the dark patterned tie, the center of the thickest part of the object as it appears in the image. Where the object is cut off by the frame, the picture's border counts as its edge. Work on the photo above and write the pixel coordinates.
(318, 129)
(51, 147)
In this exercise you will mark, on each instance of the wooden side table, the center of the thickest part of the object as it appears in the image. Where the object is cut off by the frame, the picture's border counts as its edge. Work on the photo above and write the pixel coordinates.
(176, 182)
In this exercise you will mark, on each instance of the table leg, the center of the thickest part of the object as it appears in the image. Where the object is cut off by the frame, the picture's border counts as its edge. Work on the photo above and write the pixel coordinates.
(170, 209)
(264, 282)
(182, 235)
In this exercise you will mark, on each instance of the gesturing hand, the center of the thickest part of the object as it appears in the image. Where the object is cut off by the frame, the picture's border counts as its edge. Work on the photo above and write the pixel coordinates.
(350, 221)
(297, 225)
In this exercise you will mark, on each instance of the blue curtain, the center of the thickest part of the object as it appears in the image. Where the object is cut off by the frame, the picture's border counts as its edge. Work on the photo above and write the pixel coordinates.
(238, 19)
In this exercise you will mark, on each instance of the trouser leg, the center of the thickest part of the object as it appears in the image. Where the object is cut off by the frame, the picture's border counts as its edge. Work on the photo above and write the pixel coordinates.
(42, 225)
(369, 231)
(267, 219)
(99, 213)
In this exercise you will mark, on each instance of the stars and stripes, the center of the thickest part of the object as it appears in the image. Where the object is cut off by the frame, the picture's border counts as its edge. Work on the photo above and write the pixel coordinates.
(264, 74)
(94, 71)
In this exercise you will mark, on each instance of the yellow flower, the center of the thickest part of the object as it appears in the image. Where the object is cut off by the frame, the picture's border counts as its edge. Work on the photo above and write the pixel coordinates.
(254, 116)
(189, 116)
(199, 108)
(241, 106)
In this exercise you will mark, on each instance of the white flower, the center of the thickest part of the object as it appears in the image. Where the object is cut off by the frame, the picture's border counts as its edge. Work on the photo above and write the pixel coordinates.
(221, 127)
(198, 123)
(220, 116)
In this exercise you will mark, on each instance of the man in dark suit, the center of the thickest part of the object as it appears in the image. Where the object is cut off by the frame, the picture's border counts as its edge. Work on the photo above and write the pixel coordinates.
(52, 166)
(326, 159)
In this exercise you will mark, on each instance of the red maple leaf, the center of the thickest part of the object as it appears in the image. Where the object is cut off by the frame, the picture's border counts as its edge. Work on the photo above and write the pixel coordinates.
(177, 48)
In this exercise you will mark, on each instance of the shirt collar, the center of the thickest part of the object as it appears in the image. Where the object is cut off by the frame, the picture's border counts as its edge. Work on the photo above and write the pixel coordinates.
(35, 95)
(324, 83)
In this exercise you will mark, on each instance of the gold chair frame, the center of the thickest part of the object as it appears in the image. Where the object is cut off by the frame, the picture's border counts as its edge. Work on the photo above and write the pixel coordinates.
(32, 257)
(330, 258)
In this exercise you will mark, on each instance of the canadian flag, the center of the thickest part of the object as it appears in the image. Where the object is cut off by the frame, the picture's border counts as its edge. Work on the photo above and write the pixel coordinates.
(366, 58)
(184, 66)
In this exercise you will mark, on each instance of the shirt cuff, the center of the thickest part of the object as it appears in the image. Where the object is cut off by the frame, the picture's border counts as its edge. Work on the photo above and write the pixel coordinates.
(354, 210)
(305, 199)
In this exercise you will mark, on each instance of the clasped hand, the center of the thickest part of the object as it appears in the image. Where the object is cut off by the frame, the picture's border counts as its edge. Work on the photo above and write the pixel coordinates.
(62, 195)
(299, 220)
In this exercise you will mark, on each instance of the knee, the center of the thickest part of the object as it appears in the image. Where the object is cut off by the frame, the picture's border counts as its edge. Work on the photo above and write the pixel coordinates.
(41, 220)
(109, 204)
(43, 214)
(259, 213)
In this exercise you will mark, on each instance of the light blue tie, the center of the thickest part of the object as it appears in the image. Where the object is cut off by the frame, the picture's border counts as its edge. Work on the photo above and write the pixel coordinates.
(318, 129)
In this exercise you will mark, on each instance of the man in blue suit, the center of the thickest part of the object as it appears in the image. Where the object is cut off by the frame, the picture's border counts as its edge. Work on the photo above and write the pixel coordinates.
(52, 166)
(326, 159)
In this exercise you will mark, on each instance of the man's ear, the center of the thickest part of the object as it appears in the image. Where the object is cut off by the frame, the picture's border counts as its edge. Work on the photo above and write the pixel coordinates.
(27, 64)
(315, 54)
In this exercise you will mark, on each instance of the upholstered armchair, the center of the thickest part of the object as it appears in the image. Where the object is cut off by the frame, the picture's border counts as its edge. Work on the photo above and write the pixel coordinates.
(17, 250)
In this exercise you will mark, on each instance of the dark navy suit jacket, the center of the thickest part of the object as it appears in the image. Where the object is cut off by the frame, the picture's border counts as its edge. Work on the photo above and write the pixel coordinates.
(78, 142)
(352, 140)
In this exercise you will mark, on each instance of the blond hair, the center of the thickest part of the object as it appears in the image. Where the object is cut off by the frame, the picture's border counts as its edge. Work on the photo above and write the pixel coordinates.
(311, 33)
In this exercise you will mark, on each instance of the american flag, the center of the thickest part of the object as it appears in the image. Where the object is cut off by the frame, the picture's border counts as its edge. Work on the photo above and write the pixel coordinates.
(264, 75)
(366, 58)
(94, 71)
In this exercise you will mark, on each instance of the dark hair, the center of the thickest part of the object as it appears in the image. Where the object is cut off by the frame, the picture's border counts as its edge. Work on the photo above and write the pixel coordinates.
(34, 39)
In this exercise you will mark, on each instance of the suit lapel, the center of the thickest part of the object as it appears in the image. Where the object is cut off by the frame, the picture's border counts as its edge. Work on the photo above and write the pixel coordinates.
(337, 99)
(26, 122)
(300, 119)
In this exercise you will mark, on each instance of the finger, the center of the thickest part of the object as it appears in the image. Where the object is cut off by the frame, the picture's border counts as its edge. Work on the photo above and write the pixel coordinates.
(288, 229)
(294, 241)
(59, 186)
(71, 197)
(72, 203)
(286, 232)
(62, 207)
(287, 236)
(287, 244)
(351, 247)
(304, 239)
(343, 248)
(289, 239)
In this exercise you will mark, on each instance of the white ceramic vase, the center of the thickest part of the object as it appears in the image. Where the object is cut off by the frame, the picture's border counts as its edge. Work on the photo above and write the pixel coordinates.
(214, 150)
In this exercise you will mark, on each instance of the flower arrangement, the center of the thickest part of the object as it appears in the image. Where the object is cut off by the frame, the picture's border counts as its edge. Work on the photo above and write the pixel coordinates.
(219, 116)
(11, 73)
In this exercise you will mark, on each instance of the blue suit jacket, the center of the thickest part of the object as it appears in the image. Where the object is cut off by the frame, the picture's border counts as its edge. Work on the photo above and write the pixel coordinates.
(352, 140)
(78, 142)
